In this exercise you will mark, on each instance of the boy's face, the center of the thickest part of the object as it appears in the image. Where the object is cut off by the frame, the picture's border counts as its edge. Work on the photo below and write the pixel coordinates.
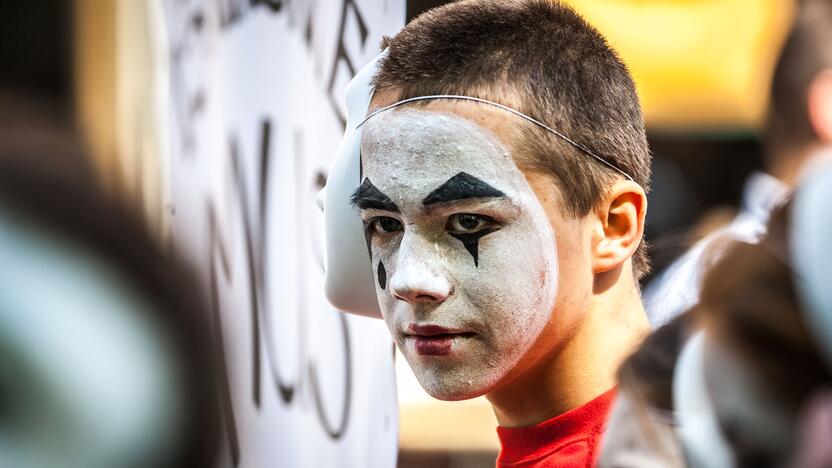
(464, 253)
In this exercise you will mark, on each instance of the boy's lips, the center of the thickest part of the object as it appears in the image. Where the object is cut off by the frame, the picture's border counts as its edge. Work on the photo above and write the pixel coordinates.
(434, 340)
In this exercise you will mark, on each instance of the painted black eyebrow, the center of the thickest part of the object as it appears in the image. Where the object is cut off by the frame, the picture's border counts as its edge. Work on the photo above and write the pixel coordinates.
(367, 196)
(460, 187)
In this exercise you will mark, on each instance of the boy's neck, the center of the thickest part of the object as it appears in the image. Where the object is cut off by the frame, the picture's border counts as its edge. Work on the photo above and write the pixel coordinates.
(583, 367)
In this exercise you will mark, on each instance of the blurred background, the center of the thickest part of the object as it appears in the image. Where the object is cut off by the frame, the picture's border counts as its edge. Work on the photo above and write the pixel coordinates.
(216, 120)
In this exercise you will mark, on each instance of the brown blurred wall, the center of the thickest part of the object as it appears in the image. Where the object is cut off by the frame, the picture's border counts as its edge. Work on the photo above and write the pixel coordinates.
(120, 89)
(94, 31)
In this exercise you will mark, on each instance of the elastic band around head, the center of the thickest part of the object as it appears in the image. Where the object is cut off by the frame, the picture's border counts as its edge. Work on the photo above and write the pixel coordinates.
(540, 124)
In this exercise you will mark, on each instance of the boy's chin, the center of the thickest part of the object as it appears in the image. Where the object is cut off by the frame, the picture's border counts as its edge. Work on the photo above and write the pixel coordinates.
(453, 388)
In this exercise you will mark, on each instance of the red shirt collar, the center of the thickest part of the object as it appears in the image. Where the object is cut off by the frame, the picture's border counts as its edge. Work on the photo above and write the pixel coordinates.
(521, 445)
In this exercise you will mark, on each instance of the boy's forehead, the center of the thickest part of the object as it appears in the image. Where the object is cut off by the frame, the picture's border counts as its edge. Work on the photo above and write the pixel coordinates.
(407, 173)
(407, 145)
(436, 125)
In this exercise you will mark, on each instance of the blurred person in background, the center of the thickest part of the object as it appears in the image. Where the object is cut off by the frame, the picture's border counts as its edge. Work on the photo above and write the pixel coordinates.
(797, 135)
(745, 378)
(103, 337)
(762, 364)
(811, 229)
(641, 432)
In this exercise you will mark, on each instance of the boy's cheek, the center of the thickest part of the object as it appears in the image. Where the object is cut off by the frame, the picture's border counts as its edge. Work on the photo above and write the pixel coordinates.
(574, 245)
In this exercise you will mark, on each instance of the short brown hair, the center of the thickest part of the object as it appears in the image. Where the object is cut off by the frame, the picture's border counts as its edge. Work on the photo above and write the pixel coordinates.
(543, 59)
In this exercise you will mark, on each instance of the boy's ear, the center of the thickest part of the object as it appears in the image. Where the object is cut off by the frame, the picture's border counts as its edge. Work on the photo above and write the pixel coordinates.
(619, 225)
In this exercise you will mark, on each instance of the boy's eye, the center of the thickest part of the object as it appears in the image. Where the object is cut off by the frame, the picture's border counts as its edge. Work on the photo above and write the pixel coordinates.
(465, 223)
(385, 225)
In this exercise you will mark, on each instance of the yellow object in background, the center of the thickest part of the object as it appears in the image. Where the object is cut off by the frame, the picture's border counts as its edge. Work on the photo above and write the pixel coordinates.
(698, 64)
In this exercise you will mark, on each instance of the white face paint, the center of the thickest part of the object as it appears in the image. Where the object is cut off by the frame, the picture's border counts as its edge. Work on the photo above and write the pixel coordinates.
(464, 255)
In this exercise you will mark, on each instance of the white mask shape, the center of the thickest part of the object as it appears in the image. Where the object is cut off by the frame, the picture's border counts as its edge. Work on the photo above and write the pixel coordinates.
(464, 254)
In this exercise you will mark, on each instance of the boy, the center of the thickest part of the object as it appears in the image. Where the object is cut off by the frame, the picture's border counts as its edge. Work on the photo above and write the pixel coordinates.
(505, 222)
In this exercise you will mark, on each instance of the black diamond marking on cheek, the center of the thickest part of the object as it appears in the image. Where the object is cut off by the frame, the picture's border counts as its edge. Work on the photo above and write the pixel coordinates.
(382, 275)
(471, 241)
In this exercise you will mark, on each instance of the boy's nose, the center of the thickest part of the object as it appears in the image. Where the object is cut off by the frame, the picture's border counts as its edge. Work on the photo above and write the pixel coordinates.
(419, 286)
(419, 277)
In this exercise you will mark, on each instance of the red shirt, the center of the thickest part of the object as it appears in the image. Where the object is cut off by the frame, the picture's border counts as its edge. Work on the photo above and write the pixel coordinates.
(570, 440)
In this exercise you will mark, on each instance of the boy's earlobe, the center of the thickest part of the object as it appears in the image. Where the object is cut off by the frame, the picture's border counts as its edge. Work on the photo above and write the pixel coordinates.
(620, 225)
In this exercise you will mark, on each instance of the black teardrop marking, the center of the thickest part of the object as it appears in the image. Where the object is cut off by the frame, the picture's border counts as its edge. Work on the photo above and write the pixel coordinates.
(471, 242)
(382, 275)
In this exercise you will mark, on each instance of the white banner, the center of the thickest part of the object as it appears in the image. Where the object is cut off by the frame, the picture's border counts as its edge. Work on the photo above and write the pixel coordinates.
(256, 114)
